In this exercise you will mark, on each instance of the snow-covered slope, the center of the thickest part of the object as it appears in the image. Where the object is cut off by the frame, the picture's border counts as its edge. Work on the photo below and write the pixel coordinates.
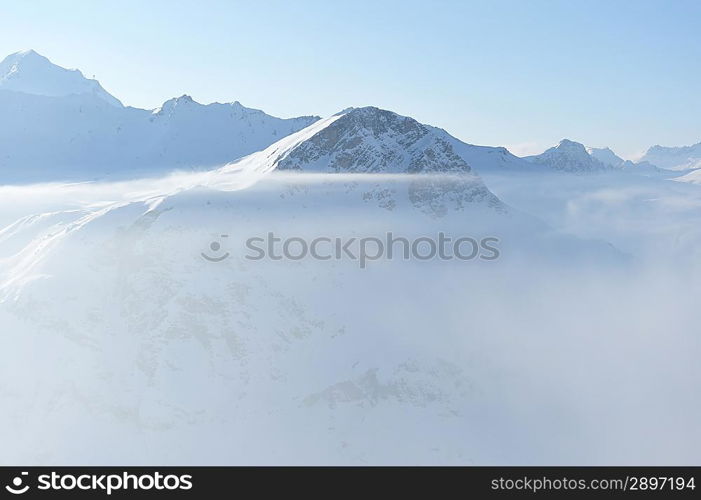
(32, 73)
(484, 159)
(693, 177)
(162, 356)
(63, 132)
(674, 158)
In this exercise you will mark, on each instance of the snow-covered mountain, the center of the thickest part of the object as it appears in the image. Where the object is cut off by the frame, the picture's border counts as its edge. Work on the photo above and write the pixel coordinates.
(569, 156)
(192, 134)
(372, 140)
(606, 156)
(574, 157)
(375, 141)
(674, 158)
(84, 135)
(32, 73)
(366, 140)
(611, 159)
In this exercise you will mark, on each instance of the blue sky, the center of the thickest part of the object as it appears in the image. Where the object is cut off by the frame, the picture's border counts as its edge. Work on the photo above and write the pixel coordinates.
(524, 74)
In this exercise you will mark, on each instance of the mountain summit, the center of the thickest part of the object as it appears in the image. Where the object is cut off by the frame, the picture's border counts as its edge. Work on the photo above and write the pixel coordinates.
(31, 73)
(363, 140)
(606, 156)
(569, 156)
(369, 139)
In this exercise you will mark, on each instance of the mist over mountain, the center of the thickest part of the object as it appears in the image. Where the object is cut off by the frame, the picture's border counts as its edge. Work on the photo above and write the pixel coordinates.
(135, 308)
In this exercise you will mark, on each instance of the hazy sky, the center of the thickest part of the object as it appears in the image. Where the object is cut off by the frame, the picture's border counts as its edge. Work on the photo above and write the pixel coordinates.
(523, 74)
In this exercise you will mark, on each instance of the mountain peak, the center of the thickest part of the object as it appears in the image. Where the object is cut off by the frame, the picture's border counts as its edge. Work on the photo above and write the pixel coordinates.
(370, 120)
(373, 140)
(567, 144)
(31, 73)
(22, 54)
(569, 156)
(22, 61)
(176, 103)
(606, 156)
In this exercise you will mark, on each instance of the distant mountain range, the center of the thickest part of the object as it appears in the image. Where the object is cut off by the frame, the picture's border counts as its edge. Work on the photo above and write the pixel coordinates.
(675, 158)
(58, 125)
(573, 157)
